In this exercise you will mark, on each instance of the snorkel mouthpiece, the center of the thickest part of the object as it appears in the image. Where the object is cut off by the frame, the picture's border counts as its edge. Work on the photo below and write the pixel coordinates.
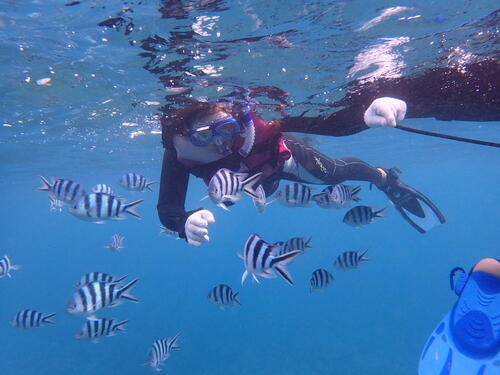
(222, 146)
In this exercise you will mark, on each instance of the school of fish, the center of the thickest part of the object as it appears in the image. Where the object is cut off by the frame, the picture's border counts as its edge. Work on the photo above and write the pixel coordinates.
(96, 292)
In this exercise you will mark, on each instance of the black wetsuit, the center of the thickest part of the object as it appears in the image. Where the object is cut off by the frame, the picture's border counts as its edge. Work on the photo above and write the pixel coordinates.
(452, 95)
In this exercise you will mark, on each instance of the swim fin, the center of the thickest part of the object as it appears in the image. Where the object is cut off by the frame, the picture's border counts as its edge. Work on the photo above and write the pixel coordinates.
(415, 207)
(467, 340)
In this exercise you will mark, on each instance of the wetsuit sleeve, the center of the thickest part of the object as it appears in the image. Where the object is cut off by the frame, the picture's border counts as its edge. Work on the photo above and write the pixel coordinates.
(443, 93)
(344, 122)
(173, 188)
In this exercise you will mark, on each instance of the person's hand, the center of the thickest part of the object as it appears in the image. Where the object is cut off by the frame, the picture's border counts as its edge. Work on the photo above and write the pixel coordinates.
(196, 227)
(385, 112)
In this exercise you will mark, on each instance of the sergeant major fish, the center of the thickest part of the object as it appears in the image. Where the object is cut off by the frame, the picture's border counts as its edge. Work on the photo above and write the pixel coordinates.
(95, 296)
(116, 243)
(103, 188)
(31, 319)
(225, 186)
(6, 267)
(349, 260)
(63, 190)
(161, 350)
(361, 215)
(260, 201)
(135, 182)
(294, 195)
(223, 295)
(337, 196)
(168, 232)
(55, 204)
(320, 279)
(294, 243)
(98, 207)
(99, 277)
(260, 261)
(94, 328)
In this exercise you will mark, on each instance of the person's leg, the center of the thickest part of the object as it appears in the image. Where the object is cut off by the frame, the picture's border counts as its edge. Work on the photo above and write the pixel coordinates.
(311, 166)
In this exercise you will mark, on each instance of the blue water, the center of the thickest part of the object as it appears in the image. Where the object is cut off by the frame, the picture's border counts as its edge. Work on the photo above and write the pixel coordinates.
(373, 320)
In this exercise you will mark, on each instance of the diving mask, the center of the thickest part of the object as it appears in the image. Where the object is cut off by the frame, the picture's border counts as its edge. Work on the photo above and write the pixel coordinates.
(210, 133)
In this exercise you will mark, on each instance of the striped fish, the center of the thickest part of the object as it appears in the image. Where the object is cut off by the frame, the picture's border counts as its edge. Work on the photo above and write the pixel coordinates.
(116, 243)
(55, 204)
(294, 195)
(260, 201)
(337, 196)
(160, 351)
(349, 260)
(225, 186)
(168, 232)
(95, 296)
(100, 277)
(320, 279)
(103, 188)
(260, 261)
(223, 295)
(6, 267)
(94, 328)
(31, 319)
(98, 207)
(63, 190)
(135, 182)
(294, 243)
(362, 215)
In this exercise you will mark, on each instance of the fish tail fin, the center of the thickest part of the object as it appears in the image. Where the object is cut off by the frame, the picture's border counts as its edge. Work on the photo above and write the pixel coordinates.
(379, 212)
(354, 193)
(122, 293)
(307, 243)
(120, 326)
(120, 279)
(362, 256)
(15, 267)
(148, 185)
(236, 298)
(173, 342)
(248, 185)
(47, 186)
(129, 208)
(46, 318)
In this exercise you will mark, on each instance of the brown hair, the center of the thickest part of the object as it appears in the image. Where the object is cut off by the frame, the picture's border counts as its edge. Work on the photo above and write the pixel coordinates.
(181, 119)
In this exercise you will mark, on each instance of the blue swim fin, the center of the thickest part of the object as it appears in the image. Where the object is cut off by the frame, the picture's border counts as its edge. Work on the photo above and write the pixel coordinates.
(467, 340)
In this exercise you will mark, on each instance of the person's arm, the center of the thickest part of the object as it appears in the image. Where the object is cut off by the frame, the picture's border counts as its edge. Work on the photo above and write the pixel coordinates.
(469, 94)
(346, 121)
(172, 196)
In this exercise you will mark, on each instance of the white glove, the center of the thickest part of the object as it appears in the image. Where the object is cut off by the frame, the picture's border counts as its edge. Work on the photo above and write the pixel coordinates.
(385, 112)
(196, 227)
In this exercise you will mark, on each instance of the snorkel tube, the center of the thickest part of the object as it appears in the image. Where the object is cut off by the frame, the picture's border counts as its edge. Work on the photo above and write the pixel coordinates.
(248, 132)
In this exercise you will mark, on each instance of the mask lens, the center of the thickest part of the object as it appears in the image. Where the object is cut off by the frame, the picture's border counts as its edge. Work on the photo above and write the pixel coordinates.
(227, 128)
(201, 137)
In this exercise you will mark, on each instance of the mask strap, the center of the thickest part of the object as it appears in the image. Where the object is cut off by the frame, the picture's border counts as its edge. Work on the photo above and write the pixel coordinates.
(459, 286)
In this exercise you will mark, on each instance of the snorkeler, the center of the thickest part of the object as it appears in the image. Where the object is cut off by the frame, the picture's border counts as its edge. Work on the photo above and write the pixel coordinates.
(205, 137)
(467, 340)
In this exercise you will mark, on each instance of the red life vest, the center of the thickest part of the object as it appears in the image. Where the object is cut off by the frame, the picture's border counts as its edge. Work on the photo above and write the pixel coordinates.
(268, 154)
